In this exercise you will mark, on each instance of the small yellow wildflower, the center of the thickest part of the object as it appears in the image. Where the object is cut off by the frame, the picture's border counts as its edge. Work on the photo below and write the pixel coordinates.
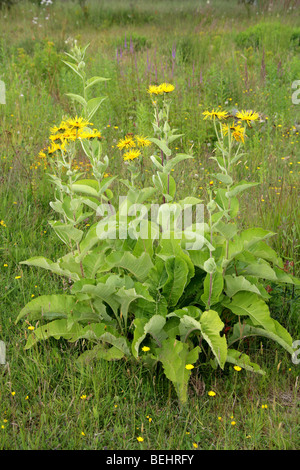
(13, 393)
(264, 406)
(31, 328)
(2, 223)
(145, 348)
(83, 397)
(18, 277)
(140, 439)
(238, 368)
(189, 366)
(233, 423)
(195, 445)
(211, 393)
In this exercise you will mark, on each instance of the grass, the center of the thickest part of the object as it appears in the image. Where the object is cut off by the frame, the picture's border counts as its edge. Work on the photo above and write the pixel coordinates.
(108, 405)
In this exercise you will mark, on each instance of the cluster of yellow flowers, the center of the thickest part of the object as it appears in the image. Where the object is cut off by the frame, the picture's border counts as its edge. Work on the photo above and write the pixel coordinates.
(160, 89)
(238, 132)
(130, 144)
(69, 131)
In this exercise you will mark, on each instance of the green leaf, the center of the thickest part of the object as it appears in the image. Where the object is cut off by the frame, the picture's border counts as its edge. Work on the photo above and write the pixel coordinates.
(210, 325)
(170, 165)
(78, 98)
(213, 288)
(242, 360)
(101, 351)
(277, 333)
(93, 80)
(73, 67)
(138, 266)
(48, 306)
(162, 145)
(154, 327)
(41, 262)
(66, 232)
(249, 304)
(234, 284)
(238, 188)
(89, 187)
(93, 105)
(177, 271)
(165, 184)
(174, 356)
(56, 329)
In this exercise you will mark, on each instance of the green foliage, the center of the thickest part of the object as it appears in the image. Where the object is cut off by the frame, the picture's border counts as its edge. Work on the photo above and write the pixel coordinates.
(155, 290)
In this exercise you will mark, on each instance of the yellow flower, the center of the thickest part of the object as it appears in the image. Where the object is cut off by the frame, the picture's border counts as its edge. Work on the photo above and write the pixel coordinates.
(211, 393)
(233, 423)
(18, 277)
(215, 114)
(264, 406)
(2, 223)
(189, 366)
(83, 397)
(140, 439)
(145, 348)
(126, 143)
(247, 116)
(166, 87)
(155, 90)
(238, 368)
(31, 328)
(82, 433)
(131, 155)
(142, 141)
(238, 132)
(13, 393)
(195, 445)
(77, 123)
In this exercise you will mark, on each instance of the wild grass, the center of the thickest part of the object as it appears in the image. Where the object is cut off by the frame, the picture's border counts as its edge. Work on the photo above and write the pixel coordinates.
(216, 54)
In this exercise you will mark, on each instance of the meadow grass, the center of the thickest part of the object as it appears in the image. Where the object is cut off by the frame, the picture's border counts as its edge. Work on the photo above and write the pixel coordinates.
(216, 55)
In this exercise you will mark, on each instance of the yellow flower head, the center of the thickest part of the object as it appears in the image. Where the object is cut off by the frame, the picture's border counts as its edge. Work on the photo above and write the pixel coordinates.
(126, 143)
(145, 348)
(166, 87)
(247, 116)
(142, 141)
(211, 393)
(215, 114)
(140, 439)
(155, 90)
(189, 366)
(238, 132)
(77, 123)
(131, 155)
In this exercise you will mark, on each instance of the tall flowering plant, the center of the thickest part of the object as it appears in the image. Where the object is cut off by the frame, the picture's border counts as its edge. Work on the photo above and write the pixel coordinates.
(157, 289)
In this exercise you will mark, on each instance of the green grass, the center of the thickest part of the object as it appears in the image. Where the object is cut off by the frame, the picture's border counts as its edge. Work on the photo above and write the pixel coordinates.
(258, 54)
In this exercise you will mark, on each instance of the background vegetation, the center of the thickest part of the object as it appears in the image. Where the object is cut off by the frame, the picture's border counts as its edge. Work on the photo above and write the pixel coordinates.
(217, 53)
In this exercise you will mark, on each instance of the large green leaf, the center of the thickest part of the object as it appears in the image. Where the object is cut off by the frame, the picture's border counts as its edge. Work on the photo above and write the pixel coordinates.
(177, 271)
(210, 325)
(174, 356)
(154, 327)
(42, 262)
(277, 334)
(242, 360)
(213, 288)
(251, 305)
(49, 307)
(234, 284)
